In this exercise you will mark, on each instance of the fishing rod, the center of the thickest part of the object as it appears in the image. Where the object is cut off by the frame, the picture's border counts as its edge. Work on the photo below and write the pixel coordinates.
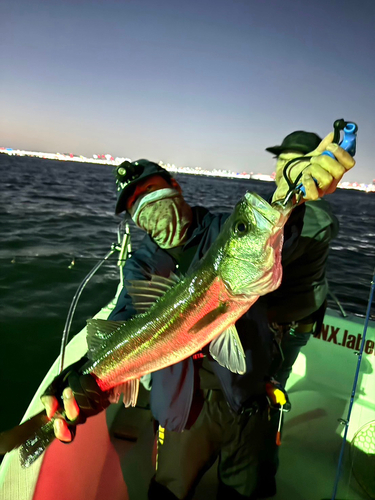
(123, 249)
(73, 305)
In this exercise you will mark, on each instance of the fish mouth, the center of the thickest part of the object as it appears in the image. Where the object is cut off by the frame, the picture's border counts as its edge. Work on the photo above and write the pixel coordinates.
(284, 210)
(263, 209)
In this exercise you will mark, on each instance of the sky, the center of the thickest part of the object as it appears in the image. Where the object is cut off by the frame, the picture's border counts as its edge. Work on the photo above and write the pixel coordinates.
(207, 83)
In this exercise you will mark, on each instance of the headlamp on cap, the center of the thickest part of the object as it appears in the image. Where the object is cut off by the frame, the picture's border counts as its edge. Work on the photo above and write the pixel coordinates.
(128, 174)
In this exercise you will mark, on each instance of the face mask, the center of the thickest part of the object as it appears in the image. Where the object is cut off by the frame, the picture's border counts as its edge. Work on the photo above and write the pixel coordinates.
(164, 215)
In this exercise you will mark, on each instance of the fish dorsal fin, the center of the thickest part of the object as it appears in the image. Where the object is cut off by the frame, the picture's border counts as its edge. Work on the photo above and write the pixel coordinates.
(227, 350)
(171, 280)
(145, 293)
(129, 391)
(98, 332)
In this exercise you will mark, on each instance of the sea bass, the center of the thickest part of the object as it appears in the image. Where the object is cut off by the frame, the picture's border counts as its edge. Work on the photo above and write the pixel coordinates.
(178, 318)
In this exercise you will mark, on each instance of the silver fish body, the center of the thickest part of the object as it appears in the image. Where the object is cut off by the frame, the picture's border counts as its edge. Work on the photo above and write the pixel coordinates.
(243, 263)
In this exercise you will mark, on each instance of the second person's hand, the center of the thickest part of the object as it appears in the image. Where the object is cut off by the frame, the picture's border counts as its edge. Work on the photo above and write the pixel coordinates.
(320, 174)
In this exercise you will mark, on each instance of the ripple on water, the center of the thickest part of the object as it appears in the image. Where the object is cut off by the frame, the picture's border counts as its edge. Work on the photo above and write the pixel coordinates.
(52, 211)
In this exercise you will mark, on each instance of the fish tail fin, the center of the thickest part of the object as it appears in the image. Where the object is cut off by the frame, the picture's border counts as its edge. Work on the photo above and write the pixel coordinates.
(35, 445)
(30, 437)
(129, 391)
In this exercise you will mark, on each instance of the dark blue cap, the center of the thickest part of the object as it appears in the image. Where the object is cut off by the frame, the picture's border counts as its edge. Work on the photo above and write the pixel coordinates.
(128, 174)
(300, 141)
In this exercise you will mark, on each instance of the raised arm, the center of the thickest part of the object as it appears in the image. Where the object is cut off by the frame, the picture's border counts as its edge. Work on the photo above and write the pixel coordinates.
(320, 174)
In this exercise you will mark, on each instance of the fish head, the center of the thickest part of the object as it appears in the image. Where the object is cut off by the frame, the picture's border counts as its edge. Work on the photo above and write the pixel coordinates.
(251, 240)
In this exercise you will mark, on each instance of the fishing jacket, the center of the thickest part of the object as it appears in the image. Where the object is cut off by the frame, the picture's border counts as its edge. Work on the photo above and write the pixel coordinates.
(173, 388)
(304, 285)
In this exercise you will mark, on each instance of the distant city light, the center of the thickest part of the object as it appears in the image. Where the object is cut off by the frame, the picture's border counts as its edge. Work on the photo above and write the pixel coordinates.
(108, 159)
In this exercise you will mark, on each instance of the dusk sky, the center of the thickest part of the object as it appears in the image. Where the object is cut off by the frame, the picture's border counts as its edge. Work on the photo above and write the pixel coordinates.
(208, 83)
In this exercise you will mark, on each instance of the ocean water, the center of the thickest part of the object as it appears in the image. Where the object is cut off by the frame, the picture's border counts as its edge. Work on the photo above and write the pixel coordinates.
(52, 213)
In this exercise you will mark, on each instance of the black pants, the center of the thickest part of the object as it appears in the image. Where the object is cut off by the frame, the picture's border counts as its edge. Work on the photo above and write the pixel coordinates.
(158, 491)
(184, 457)
(291, 346)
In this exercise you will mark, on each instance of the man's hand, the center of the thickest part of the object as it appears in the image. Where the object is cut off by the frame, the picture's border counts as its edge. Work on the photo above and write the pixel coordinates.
(326, 170)
(60, 425)
(79, 396)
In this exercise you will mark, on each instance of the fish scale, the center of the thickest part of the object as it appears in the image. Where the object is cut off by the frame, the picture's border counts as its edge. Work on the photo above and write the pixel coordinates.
(167, 324)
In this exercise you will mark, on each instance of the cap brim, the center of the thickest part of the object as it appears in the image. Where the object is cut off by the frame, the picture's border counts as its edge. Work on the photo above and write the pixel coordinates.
(277, 150)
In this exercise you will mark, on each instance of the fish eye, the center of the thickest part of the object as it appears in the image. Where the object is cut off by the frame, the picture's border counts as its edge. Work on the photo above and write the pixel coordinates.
(240, 228)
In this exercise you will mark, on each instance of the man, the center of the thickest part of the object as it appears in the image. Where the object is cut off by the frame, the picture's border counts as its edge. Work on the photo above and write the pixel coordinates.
(296, 309)
(204, 410)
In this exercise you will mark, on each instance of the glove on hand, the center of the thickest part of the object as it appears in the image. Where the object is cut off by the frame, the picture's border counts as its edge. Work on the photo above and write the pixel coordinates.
(90, 399)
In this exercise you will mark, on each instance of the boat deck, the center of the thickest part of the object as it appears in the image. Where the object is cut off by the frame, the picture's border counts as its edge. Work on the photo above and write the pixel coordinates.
(100, 466)
(308, 455)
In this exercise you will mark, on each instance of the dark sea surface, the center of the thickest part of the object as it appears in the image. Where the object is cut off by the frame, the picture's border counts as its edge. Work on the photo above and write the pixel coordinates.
(52, 212)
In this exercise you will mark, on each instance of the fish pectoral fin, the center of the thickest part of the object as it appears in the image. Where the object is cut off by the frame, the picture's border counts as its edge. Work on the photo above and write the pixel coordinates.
(227, 350)
(129, 391)
(98, 332)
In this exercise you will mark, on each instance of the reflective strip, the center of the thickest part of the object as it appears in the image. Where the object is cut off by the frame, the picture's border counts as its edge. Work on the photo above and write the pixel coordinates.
(161, 435)
(159, 442)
